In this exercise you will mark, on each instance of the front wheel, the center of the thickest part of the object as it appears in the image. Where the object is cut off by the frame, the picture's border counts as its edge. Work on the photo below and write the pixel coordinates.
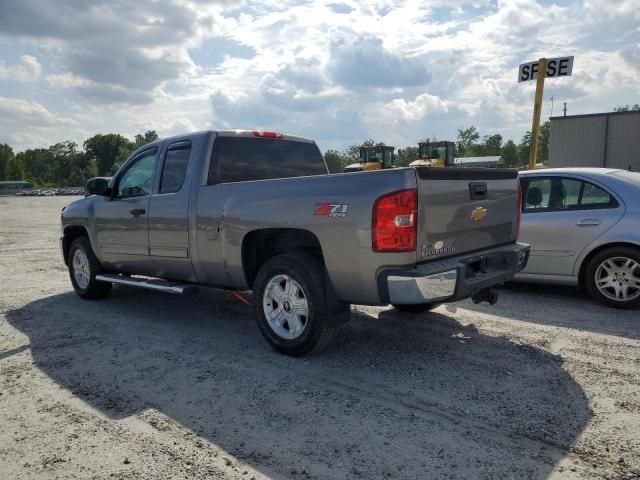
(83, 268)
(612, 277)
(290, 302)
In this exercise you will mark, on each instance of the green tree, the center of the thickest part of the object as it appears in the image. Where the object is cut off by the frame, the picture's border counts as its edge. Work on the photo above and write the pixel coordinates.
(627, 108)
(148, 137)
(6, 156)
(543, 145)
(510, 154)
(466, 138)
(406, 155)
(104, 149)
(336, 161)
(14, 169)
(36, 165)
(523, 149)
(68, 165)
(492, 144)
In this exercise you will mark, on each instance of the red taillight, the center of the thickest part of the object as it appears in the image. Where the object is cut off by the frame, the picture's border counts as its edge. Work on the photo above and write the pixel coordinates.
(519, 210)
(395, 219)
(260, 133)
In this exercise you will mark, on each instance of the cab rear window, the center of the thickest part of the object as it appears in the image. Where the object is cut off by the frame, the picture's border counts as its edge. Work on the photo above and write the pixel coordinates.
(240, 159)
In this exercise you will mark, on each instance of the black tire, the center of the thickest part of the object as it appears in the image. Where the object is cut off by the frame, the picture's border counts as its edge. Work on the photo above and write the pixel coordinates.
(591, 274)
(94, 289)
(308, 272)
(415, 307)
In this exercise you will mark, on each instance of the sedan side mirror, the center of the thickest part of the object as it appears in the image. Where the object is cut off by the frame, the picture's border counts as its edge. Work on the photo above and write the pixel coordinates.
(98, 186)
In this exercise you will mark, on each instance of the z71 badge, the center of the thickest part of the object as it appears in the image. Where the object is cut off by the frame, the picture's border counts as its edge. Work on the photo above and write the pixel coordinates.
(333, 210)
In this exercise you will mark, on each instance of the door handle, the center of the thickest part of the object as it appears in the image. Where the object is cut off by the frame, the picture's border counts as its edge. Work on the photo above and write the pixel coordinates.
(588, 222)
(136, 212)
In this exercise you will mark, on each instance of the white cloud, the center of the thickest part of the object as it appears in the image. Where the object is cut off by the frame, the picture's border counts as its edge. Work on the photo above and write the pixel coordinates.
(27, 71)
(399, 109)
(21, 112)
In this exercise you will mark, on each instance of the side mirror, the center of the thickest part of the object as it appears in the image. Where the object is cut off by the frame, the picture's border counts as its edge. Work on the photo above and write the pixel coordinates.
(98, 186)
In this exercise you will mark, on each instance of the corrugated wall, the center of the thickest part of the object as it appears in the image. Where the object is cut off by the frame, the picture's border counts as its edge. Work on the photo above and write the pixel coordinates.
(577, 142)
(581, 141)
(623, 144)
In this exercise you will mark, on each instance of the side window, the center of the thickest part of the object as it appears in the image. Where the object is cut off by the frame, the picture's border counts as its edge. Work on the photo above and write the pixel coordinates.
(174, 169)
(137, 180)
(552, 194)
(537, 195)
(595, 197)
(569, 195)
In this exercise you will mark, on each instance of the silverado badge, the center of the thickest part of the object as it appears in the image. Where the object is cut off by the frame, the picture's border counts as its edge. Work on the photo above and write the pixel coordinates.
(479, 213)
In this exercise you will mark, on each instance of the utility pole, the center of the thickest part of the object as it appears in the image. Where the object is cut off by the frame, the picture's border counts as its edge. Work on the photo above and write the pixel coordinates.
(565, 109)
(537, 110)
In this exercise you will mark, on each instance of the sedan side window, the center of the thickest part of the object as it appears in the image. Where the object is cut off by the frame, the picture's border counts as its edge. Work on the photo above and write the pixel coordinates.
(552, 194)
(537, 195)
(595, 197)
(137, 180)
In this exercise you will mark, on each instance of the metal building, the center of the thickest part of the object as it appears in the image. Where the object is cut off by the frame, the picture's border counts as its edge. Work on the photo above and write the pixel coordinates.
(596, 140)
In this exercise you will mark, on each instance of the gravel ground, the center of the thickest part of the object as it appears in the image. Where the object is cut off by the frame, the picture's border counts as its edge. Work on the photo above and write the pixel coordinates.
(145, 385)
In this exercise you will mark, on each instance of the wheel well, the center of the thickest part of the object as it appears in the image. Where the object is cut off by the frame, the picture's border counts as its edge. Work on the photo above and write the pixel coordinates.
(594, 252)
(261, 245)
(70, 234)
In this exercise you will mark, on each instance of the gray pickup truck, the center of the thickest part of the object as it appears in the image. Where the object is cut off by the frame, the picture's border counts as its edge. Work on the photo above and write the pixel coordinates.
(254, 210)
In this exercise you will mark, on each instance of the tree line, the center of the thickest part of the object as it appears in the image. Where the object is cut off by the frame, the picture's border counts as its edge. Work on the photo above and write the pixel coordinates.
(65, 164)
(468, 142)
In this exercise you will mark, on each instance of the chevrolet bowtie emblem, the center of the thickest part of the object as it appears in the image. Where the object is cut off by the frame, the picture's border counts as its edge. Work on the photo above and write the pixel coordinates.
(478, 214)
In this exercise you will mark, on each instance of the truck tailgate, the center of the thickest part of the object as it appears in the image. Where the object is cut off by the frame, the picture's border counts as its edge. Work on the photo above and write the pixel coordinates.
(465, 209)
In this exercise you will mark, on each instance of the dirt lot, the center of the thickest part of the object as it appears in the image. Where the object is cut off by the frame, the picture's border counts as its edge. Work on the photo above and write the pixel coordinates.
(143, 385)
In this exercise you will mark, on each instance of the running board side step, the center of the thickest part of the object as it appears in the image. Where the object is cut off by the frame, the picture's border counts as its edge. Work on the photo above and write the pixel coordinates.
(150, 284)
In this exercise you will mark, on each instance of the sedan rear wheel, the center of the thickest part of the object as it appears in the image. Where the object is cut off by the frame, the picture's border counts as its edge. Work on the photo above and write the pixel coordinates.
(613, 277)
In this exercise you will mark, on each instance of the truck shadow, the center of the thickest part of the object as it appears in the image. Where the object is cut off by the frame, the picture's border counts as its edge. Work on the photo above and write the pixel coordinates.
(561, 306)
(396, 397)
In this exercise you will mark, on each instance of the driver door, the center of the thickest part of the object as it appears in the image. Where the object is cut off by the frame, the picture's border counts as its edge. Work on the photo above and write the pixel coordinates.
(122, 219)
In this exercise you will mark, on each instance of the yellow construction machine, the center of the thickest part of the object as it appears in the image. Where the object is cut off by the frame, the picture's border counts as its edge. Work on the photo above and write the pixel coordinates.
(373, 158)
(435, 154)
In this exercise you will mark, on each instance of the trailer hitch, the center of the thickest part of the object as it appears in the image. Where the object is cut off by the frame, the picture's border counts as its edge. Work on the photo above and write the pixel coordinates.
(486, 295)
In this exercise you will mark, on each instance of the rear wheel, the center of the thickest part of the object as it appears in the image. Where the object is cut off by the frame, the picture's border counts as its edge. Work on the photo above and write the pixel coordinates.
(83, 268)
(612, 277)
(414, 307)
(290, 302)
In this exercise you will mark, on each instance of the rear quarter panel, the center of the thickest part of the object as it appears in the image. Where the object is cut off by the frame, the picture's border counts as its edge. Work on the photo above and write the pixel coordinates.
(626, 230)
(243, 207)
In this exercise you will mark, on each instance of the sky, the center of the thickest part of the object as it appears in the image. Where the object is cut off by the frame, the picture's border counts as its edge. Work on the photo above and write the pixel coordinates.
(337, 71)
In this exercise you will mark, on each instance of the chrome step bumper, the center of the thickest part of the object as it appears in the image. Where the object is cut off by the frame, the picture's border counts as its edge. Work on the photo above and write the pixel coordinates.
(453, 278)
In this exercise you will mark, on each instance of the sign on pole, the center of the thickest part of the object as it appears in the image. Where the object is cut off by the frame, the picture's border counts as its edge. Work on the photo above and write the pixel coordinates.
(556, 67)
(553, 67)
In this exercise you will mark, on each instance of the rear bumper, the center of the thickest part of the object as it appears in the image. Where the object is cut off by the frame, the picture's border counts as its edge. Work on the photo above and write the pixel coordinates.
(454, 278)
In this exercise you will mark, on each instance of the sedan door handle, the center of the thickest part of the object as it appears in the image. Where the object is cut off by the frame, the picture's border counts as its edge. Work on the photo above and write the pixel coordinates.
(136, 212)
(588, 222)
